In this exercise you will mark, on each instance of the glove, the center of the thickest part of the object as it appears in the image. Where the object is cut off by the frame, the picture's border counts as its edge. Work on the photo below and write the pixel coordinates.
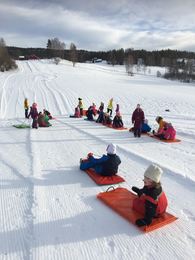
(141, 222)
(153, 132)
(137, 190)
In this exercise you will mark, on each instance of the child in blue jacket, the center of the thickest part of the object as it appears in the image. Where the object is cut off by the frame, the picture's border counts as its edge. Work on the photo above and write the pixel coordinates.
(107, 165)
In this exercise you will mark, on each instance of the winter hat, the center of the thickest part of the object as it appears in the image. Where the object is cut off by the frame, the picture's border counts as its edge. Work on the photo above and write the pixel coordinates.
(154, 173)
(158, 118)
(34, 105)
(111, 149)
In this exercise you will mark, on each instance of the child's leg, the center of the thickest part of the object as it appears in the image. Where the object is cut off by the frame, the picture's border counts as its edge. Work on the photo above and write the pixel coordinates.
(86, 165)
(98, 169)
(135, 132)
(139, 206)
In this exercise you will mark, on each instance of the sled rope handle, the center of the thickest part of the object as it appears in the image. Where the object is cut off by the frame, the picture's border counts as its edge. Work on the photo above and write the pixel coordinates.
(109, 188)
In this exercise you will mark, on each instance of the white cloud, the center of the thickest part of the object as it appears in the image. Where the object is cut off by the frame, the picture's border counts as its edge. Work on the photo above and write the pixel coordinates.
(136, 24)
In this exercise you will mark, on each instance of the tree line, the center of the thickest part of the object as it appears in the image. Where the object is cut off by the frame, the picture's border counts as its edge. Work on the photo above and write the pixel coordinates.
(180, 64)
(56, 48)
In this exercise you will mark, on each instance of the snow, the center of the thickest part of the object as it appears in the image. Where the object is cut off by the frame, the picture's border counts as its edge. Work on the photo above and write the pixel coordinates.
(49, 208)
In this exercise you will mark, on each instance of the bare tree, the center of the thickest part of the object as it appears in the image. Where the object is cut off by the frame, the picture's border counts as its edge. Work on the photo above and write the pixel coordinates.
(112, 57)
(57, 47)
(129, 61)
(6, 63)
(73, 53)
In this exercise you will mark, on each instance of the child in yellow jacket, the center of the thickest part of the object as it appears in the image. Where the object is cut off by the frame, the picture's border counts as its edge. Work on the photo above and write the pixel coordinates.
(110, 107)
(26, 107)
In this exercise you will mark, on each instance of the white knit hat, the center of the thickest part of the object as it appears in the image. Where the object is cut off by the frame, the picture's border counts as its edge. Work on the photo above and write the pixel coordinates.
(154, 173)
(111, 149)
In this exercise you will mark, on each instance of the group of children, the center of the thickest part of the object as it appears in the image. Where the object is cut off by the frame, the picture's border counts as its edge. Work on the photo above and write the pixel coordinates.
(39, 119)
(151, 201)
(103, 117)
(140, 124)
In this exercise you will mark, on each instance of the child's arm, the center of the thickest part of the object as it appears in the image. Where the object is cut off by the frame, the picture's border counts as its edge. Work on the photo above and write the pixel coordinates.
(137, 190)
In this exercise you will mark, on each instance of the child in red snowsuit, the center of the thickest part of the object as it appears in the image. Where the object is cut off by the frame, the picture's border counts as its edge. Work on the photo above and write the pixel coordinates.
(137, 119)
(151, 201)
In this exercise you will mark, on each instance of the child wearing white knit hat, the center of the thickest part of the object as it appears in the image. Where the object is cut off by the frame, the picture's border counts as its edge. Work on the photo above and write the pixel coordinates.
(106, 165)
(151, 201)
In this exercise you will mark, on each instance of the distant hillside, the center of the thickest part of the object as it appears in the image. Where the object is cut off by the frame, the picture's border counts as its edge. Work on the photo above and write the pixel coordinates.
(148, 58)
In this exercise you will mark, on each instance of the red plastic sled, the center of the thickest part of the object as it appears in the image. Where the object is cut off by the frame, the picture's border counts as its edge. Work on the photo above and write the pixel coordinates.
(84, 112)
(104, 180)
(117, 128)
(165, 141)
(121, 201)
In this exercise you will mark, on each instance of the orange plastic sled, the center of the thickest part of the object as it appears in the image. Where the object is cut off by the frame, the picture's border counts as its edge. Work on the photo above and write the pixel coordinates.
(104, 180)
(117, 128)
(84, 112)
(165, 141)
(121, 201)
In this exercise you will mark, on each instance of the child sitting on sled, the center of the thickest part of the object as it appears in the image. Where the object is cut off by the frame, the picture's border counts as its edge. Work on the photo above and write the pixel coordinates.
(117, 121)
(91, 112)
(76, 112)
(107, 165)
(46, 112)
(106, 119)
(145, 126)
(165, 131)
(151, 201)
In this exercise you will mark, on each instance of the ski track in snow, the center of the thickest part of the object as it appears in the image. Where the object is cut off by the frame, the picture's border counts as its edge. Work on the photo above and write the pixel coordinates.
(53, 205)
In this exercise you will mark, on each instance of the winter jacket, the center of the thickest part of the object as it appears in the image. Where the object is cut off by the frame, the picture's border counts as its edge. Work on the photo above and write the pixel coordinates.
(26, 104)
(77, 112)
(138, 118)
(145, 128)
(169, 132)
(80, 105)
(100, 117)
(107, 165)
(41, 120)
(151, 202)
(90, 113)
(162, 124)
(117, 122)
(110, 166)
(33, 113)
(110, 104)
(46, 119)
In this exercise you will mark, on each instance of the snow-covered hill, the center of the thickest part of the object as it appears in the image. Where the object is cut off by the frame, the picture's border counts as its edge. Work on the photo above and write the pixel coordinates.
(48, 206)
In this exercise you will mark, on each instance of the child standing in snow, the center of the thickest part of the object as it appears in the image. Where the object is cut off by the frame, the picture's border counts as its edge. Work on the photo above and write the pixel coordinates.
(80, 105)
(151, 200)
(110, 107)
(26, 107)
(34, 115)
(137, 120)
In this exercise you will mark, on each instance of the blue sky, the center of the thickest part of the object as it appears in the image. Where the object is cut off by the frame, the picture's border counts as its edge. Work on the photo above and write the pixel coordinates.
(100, 25)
